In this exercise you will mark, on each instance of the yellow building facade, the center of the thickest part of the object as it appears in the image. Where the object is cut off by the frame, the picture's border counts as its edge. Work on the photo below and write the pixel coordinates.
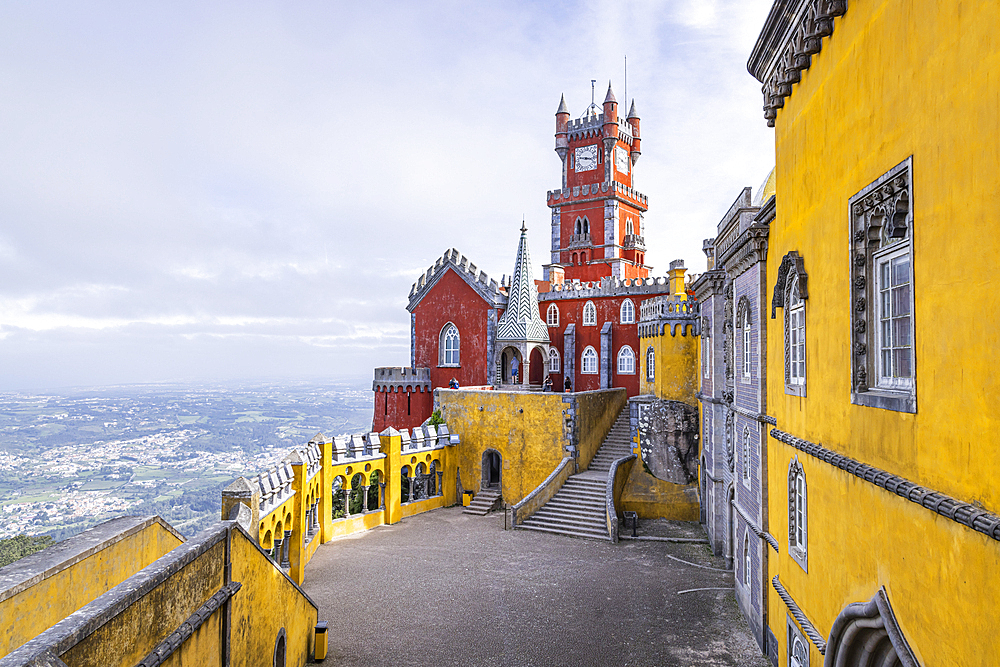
(883, 459)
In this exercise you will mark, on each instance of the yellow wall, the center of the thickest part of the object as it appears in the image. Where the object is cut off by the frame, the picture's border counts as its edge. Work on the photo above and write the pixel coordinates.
(898, 78)
(653, 498)
(676, 376)
(43, 604)
(596, 413)
(525, 428)
(266, 603)
(132, 634)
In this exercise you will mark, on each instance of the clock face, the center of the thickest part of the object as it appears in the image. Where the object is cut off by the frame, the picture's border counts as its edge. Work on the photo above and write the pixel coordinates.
(621, 160)
(586, 158)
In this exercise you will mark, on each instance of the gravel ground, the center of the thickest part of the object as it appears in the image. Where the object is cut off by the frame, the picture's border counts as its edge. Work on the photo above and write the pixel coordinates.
(446, 588)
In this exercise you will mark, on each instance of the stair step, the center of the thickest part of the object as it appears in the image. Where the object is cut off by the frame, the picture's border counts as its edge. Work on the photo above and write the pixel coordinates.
(570, 533)
(593, 522)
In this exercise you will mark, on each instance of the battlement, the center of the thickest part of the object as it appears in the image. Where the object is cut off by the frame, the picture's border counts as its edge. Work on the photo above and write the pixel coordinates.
(672, 310)
(608, 286)
(388, 378)
(489, 289)
(554, 197)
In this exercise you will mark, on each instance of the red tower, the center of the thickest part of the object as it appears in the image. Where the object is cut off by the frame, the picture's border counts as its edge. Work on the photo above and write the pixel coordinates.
(597, 216)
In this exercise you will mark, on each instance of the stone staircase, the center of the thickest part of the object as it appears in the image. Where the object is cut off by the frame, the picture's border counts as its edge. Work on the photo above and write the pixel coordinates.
(579, 507)
(483, 503)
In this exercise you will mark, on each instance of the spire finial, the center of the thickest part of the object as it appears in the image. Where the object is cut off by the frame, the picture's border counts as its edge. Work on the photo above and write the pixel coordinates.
(523, 227)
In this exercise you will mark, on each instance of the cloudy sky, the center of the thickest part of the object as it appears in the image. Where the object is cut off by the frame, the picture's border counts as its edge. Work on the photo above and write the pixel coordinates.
(222, 191)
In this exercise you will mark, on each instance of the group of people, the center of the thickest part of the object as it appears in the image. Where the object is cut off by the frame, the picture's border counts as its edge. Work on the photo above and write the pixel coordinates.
(515, 368)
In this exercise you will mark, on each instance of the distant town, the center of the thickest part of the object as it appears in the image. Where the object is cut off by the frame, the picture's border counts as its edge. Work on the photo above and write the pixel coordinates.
(71, 460)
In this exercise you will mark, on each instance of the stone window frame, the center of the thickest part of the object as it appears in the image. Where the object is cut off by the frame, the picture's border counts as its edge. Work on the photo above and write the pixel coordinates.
(552, 315)
(747, 563)
(798, 645)
(650, 364)
(554, 362)
(627, 315)
(595, 368)
(795, 323)
(706, 349)
(744, 322)
(708, 417)
(792, 278)
(443, 349)
(880, 220)
(746, 449)
(626, 354)
(589, 314)
(798, 514)
(731, 442)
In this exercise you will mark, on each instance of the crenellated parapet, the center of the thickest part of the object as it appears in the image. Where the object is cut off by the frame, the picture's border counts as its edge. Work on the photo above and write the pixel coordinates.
(452, 259)
(607, 286)
(401, 378)
(595, 191)
(669, 310)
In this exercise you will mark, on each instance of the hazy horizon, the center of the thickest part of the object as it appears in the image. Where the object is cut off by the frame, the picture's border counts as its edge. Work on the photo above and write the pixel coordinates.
(194, 192)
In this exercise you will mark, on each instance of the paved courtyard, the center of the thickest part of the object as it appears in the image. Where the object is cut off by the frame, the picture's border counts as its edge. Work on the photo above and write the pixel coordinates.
(446, 588)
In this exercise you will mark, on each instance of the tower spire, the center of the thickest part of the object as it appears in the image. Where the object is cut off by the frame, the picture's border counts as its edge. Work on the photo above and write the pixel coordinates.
(521, 321)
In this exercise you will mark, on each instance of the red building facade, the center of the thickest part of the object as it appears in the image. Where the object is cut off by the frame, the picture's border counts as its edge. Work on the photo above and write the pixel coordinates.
(589, 297)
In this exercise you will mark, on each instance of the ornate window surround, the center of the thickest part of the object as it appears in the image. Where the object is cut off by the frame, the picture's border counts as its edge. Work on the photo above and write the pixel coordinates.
(706, 348)
(552, 315)
(798, 646)
(448, 355)
(881, 223)
(589, 355)
(746, 456)
(747, 564)
(791, 276)
(798, 514)
(650, 364)
(744, 324)
(589, 314)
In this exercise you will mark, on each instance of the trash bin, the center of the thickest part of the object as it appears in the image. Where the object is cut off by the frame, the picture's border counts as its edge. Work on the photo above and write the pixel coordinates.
(320, 642)
(467, 498)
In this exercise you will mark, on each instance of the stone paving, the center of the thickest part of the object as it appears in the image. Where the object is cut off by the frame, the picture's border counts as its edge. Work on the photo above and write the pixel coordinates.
(447, 588)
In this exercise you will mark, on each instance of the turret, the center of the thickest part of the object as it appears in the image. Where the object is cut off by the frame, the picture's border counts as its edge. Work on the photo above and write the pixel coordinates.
(676, 277)
(562, 134)
(610, 129)
(633, 121)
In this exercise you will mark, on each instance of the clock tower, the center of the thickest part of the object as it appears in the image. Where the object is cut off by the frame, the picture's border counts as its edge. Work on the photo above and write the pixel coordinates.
(597, 216)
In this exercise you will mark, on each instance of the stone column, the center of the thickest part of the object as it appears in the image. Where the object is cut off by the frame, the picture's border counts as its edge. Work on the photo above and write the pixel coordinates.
(440, 488)
(287, 545)
(381, 489)
(276, 551)
(364, 498)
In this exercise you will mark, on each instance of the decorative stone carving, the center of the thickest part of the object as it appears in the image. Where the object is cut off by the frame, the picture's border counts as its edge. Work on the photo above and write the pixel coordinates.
(668, 440)
(791, 265)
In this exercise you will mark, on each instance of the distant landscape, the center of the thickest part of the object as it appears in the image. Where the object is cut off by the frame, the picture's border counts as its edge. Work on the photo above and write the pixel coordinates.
(74, 458)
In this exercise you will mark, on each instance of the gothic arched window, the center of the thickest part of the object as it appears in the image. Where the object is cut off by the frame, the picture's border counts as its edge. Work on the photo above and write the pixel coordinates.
(589, 314)
(554, 364)
(797, 513)
(449, 345)
(588, 361)
(746, 454)
(627, 312)
(552, 315)
(626, 361)
(650, 364)
(746, 559)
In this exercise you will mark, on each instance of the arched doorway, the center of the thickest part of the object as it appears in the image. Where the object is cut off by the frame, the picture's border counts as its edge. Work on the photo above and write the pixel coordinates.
(536, 367)
(491, 469)
(507, 358)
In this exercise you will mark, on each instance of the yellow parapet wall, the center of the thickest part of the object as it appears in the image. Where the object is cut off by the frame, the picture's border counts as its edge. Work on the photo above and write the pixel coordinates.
(40, 590)
(653, 498)
(529, 430)
(174, 612)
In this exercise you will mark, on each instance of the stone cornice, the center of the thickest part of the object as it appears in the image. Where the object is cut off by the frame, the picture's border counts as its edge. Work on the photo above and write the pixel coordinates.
(750, 247)
(710, 282)
(793, 33)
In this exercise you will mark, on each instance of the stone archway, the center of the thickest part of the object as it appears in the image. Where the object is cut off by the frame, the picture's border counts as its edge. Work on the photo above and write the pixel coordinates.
(507, 358)
(492, 476)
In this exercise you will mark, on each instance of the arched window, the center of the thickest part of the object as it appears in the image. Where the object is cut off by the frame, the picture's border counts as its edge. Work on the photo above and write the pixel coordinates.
(650, 364)
(626, 361)
(629, 228)
(745, 324)
(706, 355)
(586, 226)
(449, 345)
(588, 362)
(579, 226)
(746, 559)
(795, 339)
(573, 261)
(627, 312)
(797, 512)
(589, 314)
(553, 360)
(552, 315)
(746, 453)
